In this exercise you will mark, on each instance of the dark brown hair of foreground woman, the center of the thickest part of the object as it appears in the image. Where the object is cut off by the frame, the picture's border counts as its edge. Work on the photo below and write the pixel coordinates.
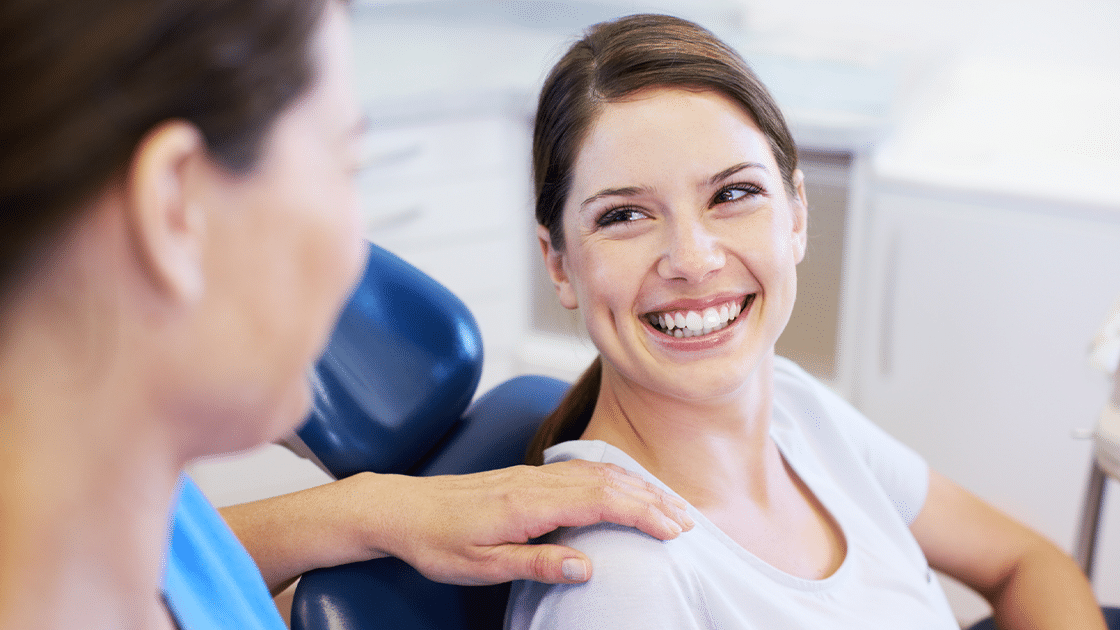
(117, 68)
(82, 86)
(617, 59)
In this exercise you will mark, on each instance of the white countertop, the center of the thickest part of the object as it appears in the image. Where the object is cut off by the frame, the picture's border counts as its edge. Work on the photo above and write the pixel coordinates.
(415, 57)
(989, 127)
(1046, 133)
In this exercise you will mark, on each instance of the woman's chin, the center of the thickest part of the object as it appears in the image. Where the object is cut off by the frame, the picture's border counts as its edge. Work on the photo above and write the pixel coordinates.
(711, 378)
(291, 414)
(259, 424)
(705, 391)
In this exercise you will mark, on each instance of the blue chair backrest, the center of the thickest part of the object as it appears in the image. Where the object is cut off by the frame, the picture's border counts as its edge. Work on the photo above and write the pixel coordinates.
(387, 593)
(395, 384)
(399, 370)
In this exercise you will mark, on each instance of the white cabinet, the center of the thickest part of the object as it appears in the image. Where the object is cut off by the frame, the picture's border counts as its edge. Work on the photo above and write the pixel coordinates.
(991, 259)
(977, 319)
(978, 329)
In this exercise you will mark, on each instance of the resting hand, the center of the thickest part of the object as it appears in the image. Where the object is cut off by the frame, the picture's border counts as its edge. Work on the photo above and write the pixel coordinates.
(474, 529)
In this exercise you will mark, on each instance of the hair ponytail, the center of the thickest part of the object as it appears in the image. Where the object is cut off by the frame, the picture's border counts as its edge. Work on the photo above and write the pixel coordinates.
(570, 419)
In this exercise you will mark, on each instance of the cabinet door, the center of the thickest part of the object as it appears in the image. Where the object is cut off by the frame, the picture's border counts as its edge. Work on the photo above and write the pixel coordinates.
(978, 324)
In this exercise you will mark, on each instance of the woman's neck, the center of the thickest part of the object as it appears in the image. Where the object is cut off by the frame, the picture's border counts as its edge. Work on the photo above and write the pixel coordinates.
(670, 437)
(86, 483)
(719, 456)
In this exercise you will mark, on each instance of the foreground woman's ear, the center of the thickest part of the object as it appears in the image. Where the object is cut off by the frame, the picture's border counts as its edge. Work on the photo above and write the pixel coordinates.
(166, 220)
(554, 262)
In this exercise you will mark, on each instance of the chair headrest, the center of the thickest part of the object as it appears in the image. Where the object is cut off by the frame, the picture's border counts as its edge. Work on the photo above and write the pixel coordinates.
(400, 368)
(497, 428)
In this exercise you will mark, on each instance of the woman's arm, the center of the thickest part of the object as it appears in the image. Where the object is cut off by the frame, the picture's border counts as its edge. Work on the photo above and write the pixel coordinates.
(465, 529)
(1029, 581)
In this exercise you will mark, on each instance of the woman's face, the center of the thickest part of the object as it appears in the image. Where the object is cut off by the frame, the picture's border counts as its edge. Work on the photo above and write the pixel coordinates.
(284, 252)
(681, 243)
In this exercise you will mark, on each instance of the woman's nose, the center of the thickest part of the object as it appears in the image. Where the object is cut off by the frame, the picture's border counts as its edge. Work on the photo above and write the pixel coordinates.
(693, 253)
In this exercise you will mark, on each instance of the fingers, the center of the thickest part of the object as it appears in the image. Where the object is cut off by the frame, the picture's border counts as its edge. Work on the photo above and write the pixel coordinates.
(472, 529)
(551, 564)
(620, 497)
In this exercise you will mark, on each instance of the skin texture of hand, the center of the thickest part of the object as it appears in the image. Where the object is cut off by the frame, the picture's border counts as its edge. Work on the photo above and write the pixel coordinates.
(458, 529)
(471, 529)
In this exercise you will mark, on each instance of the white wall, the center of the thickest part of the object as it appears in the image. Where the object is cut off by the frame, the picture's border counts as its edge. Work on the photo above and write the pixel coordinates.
(1065, 31)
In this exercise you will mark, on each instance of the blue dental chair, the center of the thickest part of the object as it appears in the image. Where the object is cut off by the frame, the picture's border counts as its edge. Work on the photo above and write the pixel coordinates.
(394, 395)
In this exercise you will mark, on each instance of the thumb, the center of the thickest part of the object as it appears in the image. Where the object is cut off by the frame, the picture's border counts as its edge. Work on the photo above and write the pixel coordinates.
(551, 564)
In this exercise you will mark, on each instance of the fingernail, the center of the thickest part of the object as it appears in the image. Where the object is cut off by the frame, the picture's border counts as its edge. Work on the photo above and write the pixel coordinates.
(688, 522)
(574, 569)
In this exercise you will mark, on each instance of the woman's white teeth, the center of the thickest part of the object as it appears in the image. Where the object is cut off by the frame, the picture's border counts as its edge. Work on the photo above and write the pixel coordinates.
(694, 321)
(694, 324)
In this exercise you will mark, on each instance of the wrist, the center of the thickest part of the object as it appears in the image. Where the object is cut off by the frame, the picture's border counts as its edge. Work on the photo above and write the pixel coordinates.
(367, 515)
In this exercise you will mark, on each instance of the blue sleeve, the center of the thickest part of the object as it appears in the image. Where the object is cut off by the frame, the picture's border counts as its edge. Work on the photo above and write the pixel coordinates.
(210, 581)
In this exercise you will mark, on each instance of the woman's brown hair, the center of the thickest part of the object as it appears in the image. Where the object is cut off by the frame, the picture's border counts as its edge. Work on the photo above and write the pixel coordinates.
(82, 82)
(614, 60)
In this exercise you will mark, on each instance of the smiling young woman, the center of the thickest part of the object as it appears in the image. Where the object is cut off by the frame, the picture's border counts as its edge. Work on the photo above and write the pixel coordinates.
(672, 214)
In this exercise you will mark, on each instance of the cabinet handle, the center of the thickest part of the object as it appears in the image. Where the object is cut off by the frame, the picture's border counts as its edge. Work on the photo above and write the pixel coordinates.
(394, 220)
(887, 307)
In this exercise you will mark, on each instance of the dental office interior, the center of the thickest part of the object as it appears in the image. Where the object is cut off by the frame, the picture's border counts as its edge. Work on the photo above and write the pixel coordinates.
(962, 159)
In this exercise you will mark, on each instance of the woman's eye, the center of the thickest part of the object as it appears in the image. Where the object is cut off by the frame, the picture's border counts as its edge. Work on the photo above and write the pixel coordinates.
(736, 192)
(619, 215)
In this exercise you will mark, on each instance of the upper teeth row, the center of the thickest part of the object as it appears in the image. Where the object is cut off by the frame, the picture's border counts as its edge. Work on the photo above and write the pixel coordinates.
(703, 322)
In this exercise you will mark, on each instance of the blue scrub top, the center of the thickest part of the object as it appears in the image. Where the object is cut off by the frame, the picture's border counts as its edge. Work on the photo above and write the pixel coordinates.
(210, 581)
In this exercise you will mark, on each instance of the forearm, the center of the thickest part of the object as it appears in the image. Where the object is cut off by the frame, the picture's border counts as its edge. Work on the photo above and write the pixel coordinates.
(1028, 580)
(294, 533)
(1045, 590)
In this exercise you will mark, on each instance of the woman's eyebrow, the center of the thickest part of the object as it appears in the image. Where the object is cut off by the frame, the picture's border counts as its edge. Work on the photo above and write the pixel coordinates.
(632, 191)
(728, 172)
(628, 191)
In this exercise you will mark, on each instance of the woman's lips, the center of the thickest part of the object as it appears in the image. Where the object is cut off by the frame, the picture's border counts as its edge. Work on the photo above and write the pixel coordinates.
(689, 323)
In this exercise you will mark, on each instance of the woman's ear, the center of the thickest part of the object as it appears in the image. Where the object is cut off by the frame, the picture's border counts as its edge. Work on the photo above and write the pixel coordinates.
(554, 263)
(799, 205)
(167, 222)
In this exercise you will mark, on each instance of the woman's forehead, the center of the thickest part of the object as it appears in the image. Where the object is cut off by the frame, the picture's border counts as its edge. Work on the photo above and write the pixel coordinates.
(660, 131)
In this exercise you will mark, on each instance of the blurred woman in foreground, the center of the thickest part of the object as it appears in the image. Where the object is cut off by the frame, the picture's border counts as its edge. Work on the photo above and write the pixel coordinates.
(180, 230)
